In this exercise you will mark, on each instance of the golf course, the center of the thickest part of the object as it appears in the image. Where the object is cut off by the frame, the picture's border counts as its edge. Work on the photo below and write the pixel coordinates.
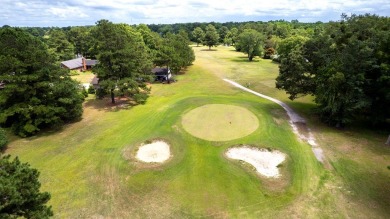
(91, 170)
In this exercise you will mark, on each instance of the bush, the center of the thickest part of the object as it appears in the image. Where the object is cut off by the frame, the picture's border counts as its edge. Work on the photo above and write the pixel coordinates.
(140, 98)
(100, 93)
(3, 139)
(91, 90)
(84, 92)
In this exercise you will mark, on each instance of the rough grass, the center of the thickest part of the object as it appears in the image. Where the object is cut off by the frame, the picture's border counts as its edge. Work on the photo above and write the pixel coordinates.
(84, 169)
(220, 122)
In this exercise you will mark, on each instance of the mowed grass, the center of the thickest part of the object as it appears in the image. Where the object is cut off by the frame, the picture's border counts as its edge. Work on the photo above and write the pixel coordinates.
(219, 122)
(84, 77)
(84, 169)
(356, 181)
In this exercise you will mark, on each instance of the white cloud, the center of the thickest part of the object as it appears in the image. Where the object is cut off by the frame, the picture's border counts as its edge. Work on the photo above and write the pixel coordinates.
(170, 11)
(67, 12)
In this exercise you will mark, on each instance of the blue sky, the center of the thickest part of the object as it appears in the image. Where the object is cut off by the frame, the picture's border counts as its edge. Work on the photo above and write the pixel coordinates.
(87, 12)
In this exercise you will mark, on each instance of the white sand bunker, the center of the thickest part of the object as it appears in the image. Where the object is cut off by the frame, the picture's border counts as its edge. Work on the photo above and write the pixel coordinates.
(156, 152)
(265, 162)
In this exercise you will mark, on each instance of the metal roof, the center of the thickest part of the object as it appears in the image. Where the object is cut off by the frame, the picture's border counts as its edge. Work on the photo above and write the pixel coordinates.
(90, 62)
(74, 63)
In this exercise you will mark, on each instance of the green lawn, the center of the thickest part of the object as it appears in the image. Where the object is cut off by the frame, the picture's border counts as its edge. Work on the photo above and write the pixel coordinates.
(84, 77)
(220, 122)
(84, 169)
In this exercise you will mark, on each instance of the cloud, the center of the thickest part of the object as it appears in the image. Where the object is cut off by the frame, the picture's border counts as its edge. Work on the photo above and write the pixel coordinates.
(76, 12)
(67, 12)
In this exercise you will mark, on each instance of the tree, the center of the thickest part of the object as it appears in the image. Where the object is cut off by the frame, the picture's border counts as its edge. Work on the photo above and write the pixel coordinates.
(294, 75)
(124, 64)
(59, 46)
(287, 45)
(346, 68)
(211, 37)
(151, 39)
(251, 42)
(82, 40)
(37, 93)
(223, 32)
(3, 139)
(198, 35)
(175, 52)
(233, 34)
(19, 191)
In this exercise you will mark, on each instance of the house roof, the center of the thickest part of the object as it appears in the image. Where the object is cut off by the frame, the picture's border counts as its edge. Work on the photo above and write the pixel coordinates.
(78, 63)
(73, 63)
(91, 62)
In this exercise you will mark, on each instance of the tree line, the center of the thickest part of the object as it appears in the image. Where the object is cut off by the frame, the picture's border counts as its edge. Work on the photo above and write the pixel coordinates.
(35, 93)
(343, 64)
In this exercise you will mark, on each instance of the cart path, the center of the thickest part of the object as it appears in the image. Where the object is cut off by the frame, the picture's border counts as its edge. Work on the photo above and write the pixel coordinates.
(297, 123)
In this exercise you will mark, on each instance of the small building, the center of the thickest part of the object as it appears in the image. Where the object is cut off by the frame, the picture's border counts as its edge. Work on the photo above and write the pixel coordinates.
(80, 64)
(162, 74)
(95, 82)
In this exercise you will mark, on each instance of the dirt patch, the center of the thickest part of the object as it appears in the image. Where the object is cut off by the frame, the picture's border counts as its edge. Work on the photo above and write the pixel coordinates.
(264, 161)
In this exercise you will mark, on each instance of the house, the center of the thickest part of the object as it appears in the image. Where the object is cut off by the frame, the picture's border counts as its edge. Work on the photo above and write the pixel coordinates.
(162, 74)
(80, 64)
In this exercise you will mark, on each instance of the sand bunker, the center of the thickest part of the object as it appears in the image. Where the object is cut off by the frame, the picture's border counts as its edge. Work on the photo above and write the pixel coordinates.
(265, 162)
(156, 152)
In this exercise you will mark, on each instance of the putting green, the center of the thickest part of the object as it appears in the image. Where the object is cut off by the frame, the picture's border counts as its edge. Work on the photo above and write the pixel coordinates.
(220, 122)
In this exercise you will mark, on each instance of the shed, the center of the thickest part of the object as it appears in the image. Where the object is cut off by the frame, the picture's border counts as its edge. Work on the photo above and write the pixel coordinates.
(162, 74)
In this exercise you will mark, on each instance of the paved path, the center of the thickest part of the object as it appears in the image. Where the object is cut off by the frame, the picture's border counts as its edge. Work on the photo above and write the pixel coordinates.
(295, 120)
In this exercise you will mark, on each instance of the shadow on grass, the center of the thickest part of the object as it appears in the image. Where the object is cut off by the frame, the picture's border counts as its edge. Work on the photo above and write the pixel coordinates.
(245, 59)
(105, 104)
(209, 50)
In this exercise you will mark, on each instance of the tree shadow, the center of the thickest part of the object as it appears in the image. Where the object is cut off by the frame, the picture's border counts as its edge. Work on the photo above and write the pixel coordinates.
(245, 59)
(105, 104)
(209, 50)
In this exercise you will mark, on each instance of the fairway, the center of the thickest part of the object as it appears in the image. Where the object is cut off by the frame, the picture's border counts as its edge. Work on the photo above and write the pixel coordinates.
(220, 122)
(201, 117)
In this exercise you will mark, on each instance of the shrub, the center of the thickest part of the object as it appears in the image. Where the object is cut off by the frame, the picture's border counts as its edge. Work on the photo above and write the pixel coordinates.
(100, 93)
(91, 90)
(84, 92)
(140, 98)
(3, 139)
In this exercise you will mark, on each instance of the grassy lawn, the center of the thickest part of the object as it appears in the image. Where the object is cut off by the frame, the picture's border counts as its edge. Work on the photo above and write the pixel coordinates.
(220, 122)
(84, 168)
(84, 77)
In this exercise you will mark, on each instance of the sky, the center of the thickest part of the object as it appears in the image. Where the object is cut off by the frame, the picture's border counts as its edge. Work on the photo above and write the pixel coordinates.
(43, 13)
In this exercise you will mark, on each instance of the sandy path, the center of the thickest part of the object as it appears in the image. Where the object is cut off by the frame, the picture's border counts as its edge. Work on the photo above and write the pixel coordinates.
(295, 121)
